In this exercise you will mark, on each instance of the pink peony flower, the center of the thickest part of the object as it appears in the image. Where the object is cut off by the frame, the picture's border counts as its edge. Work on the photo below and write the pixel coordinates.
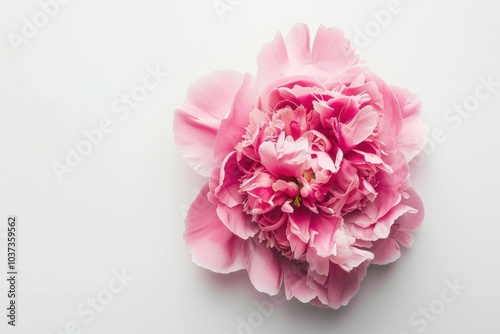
(307, 165)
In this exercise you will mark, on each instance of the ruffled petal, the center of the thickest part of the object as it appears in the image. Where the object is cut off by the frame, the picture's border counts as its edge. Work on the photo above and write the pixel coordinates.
(330, 56)
(413, 135)
(388, 250)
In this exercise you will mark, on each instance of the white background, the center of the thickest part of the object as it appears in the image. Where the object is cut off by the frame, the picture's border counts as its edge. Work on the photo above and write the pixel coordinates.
(122, 208)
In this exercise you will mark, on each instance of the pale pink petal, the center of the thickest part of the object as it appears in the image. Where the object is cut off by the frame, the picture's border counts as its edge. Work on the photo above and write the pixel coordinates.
(413, 136)
(331, 51)
(389, 187)
(330, 56)
(391, 123)
(285, 157)
(272, 61)
(295, 282)
(322, 230)
(341, 285)
(212, 245)
(228, 187)
(317, 264)
(298, 45)
(411, 222)
(233, 127)
(197, 120)
(386, 251)
(237, 221)
(359, 128)
(264, 267)
(380, 228)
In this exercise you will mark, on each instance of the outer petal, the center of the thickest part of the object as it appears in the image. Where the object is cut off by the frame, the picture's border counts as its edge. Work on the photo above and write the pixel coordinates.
(264, 267)
(332, 52)
(391, 120)
(234, 126)
(411, 222)
(295, 282)
(389, 187)
(413, 136)
(213, 246)
(388, 250)
(330, 55)
(237, 221)
(197, 120)
(341, 285)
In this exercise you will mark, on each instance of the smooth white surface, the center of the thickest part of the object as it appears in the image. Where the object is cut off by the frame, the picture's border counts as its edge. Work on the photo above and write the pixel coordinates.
(123, 207)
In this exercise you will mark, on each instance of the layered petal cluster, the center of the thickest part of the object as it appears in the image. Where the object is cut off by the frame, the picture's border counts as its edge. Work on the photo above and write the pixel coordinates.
(308, 166)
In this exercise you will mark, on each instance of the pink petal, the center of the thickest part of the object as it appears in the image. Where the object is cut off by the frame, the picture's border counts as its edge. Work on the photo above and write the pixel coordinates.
(388, 250)
(322, 231)
(385, 251)
(380, 228)
(197, 120)
(285, 157)
(272, 61)
(341, 285)
(298, 45)
(411, 222)
(391, 120)
(331, 51)
(237, 221)
(389, 187)
(295, 282)
(263, 266)
(234, 126)
(359, 128)
(212, 245)
(228, 187)
(413, 136)
(330, 56)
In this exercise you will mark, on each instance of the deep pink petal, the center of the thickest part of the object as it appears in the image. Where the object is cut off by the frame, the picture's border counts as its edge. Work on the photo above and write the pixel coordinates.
(212, 245)
(197, 120)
